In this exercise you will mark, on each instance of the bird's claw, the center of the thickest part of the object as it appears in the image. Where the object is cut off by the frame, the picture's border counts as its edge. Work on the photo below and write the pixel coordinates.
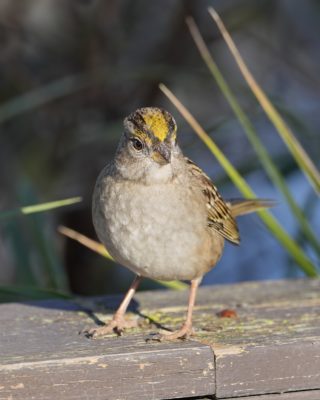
(117, 326)
(184, 333)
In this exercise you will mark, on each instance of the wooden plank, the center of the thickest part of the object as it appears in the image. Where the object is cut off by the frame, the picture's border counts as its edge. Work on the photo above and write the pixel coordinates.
(301, 395)
(304, 395)
(43, 357)
(147, 374)
(272, 346)
(267, 368)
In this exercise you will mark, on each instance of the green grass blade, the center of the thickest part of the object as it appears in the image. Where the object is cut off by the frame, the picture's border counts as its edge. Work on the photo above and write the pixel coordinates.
(49, 260)
(20, 250)
(46, 261)
(301, 157)
(27, 293)
(272, 224)
(174, 285)
(36, 208)
(252, 135)
(42, 95)
(59, 88)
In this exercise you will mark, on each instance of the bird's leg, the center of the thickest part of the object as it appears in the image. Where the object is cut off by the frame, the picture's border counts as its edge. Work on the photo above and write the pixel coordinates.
(118, 324)
(186, 330)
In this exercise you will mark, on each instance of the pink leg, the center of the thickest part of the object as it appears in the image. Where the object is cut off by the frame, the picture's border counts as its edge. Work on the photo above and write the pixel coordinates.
(186, 330)
(118, 324)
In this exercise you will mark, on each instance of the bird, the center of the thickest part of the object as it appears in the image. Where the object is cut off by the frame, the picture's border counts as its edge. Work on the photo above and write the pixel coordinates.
(158, 214)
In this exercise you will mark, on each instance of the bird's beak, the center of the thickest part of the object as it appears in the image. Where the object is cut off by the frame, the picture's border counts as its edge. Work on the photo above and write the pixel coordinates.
(161, 154)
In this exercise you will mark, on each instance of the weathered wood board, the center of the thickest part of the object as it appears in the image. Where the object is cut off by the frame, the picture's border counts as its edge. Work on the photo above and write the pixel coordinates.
(301, 395)
(272, 346)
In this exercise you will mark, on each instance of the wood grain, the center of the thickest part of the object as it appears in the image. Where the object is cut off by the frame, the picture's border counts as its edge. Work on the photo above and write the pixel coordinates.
(272, 346)
(303, 395)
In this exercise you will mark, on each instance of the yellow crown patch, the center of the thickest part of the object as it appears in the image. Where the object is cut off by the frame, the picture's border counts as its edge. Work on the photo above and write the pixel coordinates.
(153, 122)
(157, 123)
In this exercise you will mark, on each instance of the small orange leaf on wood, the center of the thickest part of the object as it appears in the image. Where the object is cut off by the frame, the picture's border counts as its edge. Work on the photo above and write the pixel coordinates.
(227, 313)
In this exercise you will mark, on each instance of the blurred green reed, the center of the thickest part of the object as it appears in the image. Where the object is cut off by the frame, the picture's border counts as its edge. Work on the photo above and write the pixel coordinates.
(39, 270)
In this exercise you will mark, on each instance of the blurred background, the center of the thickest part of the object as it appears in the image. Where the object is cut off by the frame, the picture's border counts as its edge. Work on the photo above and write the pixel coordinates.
(70, 71)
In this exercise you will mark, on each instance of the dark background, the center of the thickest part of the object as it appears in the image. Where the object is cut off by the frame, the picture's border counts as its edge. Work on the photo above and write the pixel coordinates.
(90, 63)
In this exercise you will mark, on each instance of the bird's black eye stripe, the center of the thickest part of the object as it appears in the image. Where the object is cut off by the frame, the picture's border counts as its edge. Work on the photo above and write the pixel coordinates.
(137, 143)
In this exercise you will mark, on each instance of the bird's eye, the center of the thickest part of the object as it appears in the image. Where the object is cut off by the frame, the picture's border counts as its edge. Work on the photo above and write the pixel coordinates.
(137, 144)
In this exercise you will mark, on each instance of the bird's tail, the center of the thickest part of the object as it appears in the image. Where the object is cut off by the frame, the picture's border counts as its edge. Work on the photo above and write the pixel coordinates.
(246, 206)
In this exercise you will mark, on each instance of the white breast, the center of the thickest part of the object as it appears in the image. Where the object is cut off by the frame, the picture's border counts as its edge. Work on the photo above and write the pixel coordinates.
(154, 230)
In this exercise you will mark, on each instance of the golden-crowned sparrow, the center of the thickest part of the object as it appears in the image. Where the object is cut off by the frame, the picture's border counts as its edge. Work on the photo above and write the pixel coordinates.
(159, 214)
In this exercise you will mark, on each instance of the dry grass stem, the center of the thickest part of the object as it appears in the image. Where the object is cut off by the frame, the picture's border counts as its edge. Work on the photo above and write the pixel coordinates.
(301, 157)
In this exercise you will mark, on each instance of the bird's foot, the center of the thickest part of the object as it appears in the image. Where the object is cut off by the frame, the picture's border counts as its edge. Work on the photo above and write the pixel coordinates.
(116, 325)
(183, 333)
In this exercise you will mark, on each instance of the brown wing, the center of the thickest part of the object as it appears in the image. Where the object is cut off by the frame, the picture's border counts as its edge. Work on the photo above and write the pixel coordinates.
(219, 214)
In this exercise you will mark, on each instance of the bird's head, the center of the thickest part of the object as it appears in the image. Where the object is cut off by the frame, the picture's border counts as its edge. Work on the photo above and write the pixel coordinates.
(148, 142)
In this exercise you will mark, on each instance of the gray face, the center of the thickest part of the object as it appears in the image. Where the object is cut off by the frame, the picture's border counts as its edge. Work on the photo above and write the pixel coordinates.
(147, 145)
(147, 162)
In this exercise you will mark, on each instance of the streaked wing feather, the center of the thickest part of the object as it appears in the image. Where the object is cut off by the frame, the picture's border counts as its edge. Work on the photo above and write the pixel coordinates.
(219, 214)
